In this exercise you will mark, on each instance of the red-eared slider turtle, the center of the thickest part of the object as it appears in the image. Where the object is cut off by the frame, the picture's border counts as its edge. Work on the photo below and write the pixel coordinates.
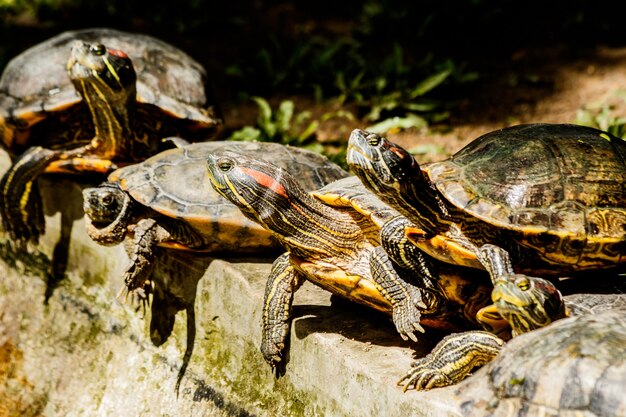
(168, 201)
(526, 303)
(553, 196)
(87, 100)
(574, 367)
(343, 239)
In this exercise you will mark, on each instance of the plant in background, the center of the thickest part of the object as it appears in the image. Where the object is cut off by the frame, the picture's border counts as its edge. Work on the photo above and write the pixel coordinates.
(280, 125)
(284, 125)
(601, 116)
(384, 84)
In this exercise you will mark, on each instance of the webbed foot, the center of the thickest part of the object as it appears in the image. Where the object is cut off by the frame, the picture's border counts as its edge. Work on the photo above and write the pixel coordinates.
(422, 377)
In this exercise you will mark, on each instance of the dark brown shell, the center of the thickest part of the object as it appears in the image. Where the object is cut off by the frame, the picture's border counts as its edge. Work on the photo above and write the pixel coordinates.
(36, 82)
(566, 180)
(175, 182)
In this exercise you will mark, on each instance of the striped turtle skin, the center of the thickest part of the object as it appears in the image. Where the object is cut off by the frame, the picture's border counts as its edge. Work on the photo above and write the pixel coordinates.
(167, 201)
(88, 101)
(345, 240)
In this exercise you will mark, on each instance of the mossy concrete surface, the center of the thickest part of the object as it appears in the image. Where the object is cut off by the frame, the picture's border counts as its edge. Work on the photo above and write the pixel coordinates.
(69, 348)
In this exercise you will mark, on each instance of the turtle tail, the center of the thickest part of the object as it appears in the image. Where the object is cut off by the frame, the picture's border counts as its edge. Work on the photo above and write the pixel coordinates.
(21, 207)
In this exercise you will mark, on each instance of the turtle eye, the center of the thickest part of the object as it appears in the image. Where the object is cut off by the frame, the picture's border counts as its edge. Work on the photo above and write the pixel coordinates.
(225, 164)
(523, 283)
(98, 49)
(107, 199)
(373, 140)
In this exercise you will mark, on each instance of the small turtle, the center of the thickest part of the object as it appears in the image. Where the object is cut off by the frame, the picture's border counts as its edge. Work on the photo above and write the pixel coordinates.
(574, 367)
(526, 303)
(345, 240)
(553, 196)
(72, 104)
(167, 200)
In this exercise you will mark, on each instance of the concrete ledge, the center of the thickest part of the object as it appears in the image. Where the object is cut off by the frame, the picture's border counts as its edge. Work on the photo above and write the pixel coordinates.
(82, 353)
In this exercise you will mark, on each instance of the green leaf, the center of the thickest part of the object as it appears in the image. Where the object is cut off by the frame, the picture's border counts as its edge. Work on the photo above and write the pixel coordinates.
(428, 148)
(283, 116)
(309, 131)
(430, 83)
(246, 134)
(265, 116)
(398, 123)
(421, 107)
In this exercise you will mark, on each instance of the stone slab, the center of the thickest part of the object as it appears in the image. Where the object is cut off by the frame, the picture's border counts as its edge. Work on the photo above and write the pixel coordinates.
(68, 348)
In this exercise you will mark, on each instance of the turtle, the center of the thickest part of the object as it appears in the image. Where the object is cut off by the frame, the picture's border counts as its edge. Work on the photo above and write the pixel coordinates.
(88, 101)
(573, 367)
(345, 240)
(526, 303)
(167, 201)
(551, 195)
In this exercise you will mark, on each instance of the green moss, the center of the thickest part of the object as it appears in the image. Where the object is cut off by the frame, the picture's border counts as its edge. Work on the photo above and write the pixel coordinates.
(516, 381)
(253, 382)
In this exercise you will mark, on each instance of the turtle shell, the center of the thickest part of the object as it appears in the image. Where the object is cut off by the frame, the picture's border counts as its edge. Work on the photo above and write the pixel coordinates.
(35, 83)
(174, 183)
(573, 367)
(553, 183)
(350, 192)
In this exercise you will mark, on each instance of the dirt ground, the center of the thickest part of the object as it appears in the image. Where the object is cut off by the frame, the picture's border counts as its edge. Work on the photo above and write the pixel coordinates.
(560, 88)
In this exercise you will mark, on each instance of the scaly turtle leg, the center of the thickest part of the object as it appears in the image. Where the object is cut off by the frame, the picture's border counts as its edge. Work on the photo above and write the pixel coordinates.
(21, 206)
(452, 360)
(147, 234)
(406, 299)
(281, 285)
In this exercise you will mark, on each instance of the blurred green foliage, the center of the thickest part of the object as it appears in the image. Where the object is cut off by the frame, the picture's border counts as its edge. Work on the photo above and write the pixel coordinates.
(602, 116)
(399, 64)
(285, 125)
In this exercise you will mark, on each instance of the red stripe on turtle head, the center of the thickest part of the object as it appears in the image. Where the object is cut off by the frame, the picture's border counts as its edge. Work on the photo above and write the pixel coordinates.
(118, 53)
(266, 181)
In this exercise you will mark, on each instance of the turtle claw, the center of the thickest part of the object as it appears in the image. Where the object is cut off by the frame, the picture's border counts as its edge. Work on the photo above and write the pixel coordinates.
(273, 343)
(406, 317)
(139, 296)
(422, 378)
(272, 353)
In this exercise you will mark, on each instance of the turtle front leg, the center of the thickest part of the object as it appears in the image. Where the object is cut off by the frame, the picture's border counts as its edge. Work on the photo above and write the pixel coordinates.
(281, 285)
(21, 205)
(496, 261)
(147, 234)
(454, 357)
(405, 299)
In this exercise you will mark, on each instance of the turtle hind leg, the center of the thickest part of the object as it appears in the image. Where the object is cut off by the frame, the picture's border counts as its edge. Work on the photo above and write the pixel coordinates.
(21, 206)
(454, 357)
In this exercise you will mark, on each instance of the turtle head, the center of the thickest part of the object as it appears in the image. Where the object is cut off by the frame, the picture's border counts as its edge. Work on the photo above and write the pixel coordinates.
(527, 303)
(262, 191)
(381, 165)
(107, 208)
(98, 72)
